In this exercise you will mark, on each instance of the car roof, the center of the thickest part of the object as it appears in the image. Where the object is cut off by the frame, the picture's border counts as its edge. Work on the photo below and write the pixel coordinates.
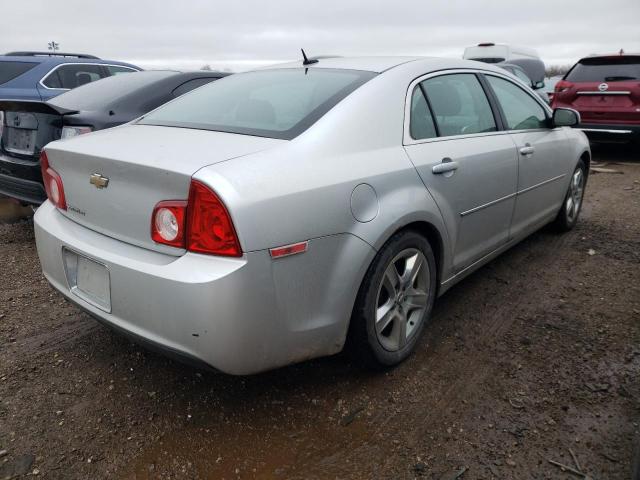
(604, 56)
(58, 60)
(382, 64)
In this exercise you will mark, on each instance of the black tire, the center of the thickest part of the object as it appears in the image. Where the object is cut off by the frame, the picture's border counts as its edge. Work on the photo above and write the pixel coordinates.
(565, 220)
(635, 475)
(363, 341)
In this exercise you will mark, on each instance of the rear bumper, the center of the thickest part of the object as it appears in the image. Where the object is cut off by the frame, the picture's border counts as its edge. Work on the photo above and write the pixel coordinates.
(21, 180)
(239, 316)
(614, 132)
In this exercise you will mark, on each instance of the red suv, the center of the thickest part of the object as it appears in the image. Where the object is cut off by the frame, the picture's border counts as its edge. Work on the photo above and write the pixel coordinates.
(605, 89)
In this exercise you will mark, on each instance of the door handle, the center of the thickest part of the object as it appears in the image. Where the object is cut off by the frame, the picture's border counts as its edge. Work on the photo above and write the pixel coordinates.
(527, 150)
(447, 165)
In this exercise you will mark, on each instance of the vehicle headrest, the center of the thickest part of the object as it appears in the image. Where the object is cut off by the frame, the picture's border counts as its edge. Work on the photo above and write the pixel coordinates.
(253, 109)
(444, 98)
(83, 79)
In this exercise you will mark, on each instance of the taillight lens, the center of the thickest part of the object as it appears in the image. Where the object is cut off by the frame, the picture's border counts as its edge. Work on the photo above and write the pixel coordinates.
(209, 226)
(52, 183)
(167, 225)
(562, 86)
(201, 225)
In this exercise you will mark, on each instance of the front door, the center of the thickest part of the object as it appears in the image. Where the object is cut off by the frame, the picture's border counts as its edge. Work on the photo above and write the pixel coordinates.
(542, 153)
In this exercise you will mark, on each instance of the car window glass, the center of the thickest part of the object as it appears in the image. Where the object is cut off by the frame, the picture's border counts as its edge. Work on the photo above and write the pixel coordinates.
(612, 69)
(459, 104)
(118, 70)
(522, 76)
(280, 103)
(521, 111)
(421, 124)
(11, 70)
(72, 76)
(191, 85)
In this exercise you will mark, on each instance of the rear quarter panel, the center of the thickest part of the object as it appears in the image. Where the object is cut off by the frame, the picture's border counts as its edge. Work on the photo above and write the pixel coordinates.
(303, 189)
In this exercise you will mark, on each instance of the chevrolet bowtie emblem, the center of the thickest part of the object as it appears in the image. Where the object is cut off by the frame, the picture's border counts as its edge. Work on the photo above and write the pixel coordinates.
(99, 181)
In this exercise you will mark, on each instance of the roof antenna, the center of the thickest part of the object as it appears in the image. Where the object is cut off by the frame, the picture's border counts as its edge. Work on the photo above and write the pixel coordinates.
(306, 61)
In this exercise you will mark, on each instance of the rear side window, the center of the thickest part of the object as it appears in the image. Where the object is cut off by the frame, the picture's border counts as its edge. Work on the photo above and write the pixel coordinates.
(613, 69)
(11, 70)
(459, 104)
(191, 85)
(118, 70)
(521, 111)
(72, 76)
(279, 103)
(421, 124)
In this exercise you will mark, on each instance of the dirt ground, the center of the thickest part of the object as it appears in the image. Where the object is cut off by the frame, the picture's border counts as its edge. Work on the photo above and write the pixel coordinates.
(533, 357)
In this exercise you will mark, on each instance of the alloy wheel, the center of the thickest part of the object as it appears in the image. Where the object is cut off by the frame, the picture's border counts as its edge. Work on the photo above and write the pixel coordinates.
(574, 198)
(402, 299)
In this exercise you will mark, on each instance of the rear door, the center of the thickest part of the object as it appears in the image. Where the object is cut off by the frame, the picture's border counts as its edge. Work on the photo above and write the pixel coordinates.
(69, 76)
(543, 153)
(605, 90)
(470, 167)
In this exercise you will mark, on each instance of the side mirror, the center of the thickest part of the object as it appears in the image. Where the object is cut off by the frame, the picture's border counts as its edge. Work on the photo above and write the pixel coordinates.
(565, 117)
(537, 85)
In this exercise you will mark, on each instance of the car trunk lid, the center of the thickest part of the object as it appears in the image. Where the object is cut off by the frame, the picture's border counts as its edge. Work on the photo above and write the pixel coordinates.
(28, 126)
(134, 167)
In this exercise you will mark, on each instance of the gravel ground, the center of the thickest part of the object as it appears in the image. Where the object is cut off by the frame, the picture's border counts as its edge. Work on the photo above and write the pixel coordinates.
(534, 357)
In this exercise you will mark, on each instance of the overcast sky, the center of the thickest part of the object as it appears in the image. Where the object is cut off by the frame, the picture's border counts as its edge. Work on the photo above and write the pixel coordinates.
(240, 34)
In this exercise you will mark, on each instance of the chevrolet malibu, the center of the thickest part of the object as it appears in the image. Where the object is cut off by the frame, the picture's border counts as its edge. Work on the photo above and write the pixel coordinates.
(283, 214)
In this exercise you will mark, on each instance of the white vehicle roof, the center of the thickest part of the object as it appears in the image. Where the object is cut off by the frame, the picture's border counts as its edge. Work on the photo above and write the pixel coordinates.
(500, 51)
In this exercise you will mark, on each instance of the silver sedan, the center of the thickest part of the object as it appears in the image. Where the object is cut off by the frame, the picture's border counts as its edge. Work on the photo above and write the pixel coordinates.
(283, 214)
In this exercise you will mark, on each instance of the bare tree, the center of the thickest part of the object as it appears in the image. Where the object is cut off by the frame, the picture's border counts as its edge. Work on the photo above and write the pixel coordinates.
(556, 70)
(206, 67)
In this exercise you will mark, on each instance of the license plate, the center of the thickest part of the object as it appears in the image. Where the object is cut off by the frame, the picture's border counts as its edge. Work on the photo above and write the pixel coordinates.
(20, 140)
(88, 279)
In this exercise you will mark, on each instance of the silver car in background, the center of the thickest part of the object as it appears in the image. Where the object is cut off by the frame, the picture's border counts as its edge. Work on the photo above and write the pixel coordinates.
(278, 215)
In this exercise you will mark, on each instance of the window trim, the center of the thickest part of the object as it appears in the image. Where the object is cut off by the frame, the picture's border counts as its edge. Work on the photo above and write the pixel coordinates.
(50, 72)
(495, 106)
(408, 140)
(548, 112)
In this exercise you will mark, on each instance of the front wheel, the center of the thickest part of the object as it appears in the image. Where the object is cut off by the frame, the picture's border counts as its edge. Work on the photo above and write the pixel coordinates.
(394, 302)
(570, 210)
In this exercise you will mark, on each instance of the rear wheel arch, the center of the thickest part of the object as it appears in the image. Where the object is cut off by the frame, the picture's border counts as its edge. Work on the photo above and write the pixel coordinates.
(431, 233)
(586, 159)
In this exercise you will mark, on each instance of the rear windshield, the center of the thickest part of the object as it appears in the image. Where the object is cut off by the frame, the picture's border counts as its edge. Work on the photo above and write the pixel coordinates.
(268, 103)
(11, 70)
(612, 69)
(108, 91)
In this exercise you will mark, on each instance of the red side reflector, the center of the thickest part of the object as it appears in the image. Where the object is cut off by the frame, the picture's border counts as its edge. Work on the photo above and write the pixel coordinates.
(289, 250)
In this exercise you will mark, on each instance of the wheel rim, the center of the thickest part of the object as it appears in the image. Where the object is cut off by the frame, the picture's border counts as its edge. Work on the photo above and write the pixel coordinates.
(402, 299)
(574, 198)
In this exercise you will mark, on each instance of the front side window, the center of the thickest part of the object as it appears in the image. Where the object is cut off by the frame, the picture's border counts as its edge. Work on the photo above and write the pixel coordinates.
(459, 104)
(421, 124)
(279, 103)
(72, 76)
(521, 111)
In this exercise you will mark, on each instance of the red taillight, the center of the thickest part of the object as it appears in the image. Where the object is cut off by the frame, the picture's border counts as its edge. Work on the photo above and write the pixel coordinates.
(167, 223)
(201, 225)
(562, 86)
(209, 226)
(52, 183)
